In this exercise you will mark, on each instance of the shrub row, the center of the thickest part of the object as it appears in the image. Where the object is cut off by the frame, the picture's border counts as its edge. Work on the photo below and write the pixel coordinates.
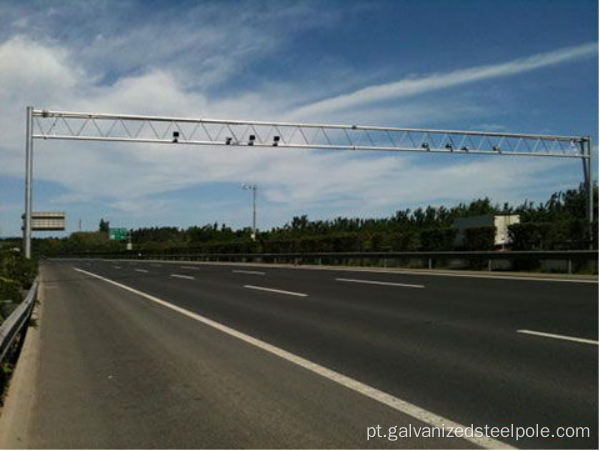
(572, 234)
(428, 239)
(560, 235)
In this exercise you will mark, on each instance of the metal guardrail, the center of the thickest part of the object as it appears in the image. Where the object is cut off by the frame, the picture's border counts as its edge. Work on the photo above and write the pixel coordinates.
(17, 320)
(429, 258)
(593, 254)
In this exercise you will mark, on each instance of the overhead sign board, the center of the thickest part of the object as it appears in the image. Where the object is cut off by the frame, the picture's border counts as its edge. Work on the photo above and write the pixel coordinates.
(48, 221)
(118, 234)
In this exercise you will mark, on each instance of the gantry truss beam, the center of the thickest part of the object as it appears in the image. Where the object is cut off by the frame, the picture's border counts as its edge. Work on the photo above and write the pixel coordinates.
(217, 132)
(63, 125)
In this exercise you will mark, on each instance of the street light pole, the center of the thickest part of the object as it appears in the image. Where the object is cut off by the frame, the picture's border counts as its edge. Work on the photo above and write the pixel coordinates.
(254, 188)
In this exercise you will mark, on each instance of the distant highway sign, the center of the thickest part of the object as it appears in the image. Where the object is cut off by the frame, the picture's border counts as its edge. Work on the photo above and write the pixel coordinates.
(118, 234)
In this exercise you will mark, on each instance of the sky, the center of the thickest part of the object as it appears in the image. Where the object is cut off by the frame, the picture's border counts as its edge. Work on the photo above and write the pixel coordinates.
(519, 66)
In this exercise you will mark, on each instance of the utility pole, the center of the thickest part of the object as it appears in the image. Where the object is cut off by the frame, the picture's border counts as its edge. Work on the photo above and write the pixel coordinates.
(254, 188)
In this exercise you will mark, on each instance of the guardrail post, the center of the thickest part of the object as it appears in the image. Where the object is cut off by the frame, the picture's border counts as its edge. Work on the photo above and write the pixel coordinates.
(569, 266)
(489, 264)
(430, 263)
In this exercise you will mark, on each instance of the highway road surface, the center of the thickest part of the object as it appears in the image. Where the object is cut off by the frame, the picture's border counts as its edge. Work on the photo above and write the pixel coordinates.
(185, 355)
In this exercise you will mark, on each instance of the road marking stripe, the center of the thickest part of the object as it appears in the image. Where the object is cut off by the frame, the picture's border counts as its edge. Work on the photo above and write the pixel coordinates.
(118, 267)
(141, 270)
(378, 282)
(558, 337)
(190, 267)
(241, 271)
(398, 271)
(370, 392)
(291, 293)
(181, 276)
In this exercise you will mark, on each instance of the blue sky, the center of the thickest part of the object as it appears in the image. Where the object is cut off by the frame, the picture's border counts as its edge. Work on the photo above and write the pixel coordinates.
(528, 66)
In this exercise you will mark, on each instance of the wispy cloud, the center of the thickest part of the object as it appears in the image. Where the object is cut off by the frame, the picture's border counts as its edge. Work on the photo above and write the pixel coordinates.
(408, 87)
(203, 43)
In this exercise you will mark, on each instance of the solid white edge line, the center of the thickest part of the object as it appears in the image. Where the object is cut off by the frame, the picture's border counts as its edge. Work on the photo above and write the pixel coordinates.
(241, 271)
(384, 398)
(380, 282)
(558, 337)
(181, 276)
(291, 293)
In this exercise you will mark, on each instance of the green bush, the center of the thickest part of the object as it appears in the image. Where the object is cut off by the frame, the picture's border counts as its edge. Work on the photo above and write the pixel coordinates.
(567, 234)
(441, 239)
(16, 268)
(16, 274)
(405, 241)
(529, 236)
(480, 238)
(10, 291)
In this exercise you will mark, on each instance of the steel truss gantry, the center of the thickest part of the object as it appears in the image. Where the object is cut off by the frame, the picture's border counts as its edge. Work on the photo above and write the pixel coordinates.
(63, 125)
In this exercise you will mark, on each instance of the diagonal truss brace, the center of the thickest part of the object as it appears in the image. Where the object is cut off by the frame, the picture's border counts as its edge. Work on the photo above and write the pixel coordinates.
(217, 132)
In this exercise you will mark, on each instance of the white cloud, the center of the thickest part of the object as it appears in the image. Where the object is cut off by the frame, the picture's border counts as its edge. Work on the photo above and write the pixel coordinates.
(408, 87)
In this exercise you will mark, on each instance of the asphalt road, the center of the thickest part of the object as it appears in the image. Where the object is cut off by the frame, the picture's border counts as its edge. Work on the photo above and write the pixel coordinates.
(119, 370)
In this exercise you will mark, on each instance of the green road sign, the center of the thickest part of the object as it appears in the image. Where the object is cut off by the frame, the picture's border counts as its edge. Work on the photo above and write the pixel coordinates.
(119, 234)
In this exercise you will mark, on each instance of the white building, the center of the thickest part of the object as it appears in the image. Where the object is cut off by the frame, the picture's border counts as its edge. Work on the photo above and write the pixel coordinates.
(500, 222)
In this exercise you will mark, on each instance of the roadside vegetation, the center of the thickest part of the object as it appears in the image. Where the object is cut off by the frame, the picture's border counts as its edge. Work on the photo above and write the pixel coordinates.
(16, 276)
(557, 224)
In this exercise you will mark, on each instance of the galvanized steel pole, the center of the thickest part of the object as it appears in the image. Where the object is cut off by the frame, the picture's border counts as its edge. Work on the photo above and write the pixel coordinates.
(590, 191)
(28, 183)
(254, 188)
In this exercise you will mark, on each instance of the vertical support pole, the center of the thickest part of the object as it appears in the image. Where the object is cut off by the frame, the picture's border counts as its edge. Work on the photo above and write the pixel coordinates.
(28, 182)
(254, 188)
(588, 185)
